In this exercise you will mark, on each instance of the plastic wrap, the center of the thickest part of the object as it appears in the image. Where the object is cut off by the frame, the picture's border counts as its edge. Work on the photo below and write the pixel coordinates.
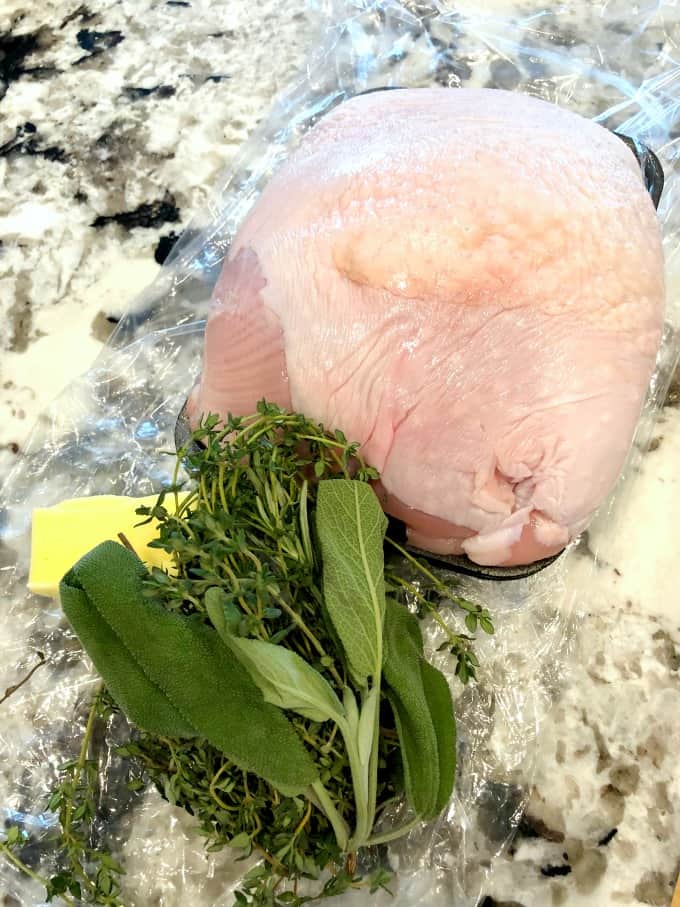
(111, 431)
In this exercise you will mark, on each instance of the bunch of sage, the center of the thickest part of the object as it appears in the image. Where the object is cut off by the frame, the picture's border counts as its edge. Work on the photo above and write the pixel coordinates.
(174, 676)
(275, 679)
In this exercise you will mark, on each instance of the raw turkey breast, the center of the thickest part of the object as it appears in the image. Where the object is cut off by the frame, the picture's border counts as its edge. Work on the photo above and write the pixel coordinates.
(470, 283)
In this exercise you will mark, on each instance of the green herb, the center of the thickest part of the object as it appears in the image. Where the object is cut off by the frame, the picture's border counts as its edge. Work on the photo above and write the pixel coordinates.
(440, 706)
(142, 700)
(351, 527)
(428, 592)
(87, 873)
(423, 711)
(283, 677)
(185, 667)
(276, 607)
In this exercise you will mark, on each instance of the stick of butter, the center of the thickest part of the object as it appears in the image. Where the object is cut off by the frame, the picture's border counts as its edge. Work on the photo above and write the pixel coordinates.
(62, 534)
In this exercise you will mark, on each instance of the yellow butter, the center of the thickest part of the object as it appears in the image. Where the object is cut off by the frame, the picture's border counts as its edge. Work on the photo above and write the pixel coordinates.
(62, 534)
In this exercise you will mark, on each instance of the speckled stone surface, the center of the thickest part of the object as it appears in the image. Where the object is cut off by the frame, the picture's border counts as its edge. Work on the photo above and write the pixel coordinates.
(115, 122)
(116, 119)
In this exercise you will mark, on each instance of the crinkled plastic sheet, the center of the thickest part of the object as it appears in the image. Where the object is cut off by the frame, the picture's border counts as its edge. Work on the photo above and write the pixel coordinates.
(109, 433)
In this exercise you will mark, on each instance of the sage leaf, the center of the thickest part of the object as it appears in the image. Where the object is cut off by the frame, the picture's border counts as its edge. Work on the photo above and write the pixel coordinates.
(423, 712)
(367, 725)
(198, 675)
(438, 695)
(351, 529)
(226, 616)
(283, 677)
(286, 680)
(351, 709)
(143, 701)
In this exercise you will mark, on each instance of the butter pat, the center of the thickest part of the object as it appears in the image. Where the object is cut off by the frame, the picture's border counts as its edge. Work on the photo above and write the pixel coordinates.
(62, 534)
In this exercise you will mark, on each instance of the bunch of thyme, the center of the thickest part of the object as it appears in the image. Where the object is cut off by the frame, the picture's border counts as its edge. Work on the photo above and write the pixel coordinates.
(246, 527)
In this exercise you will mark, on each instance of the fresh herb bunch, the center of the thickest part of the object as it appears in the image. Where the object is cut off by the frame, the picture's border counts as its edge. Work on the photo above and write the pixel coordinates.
(277, 551)
(246, 527)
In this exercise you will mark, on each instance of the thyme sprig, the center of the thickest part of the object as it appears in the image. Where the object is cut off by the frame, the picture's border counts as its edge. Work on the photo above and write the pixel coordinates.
(429, 592)
(85, 873)
(11, 690)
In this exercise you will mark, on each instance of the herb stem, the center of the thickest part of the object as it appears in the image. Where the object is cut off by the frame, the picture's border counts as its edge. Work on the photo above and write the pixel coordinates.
(212, 789)
(395, 833)
(271, 859)
(220, 486)
(337, 822)
(27, 871)
(125, 542)
(175, 477)
(373, 767)
(364, 769)
(186, 503)
(17, 686)
(420, 567)
(204, 495)
(82, 758)
(298, 828)
(432, 610)
(327, 747)
(297, 619)
(304, 820)
(66, 817)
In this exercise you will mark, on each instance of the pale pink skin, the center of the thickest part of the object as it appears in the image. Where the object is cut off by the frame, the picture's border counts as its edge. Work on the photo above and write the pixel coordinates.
(470, 283)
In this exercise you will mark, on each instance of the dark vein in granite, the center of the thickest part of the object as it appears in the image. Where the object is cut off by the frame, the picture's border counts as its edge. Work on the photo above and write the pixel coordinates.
(552, 871)
(133, 93)
(605, 839)
(165, 246)
(654, 888)
(583, 547)
(14, 52)
(492, 902)
(665, 651)
(452, 71)
(20, 316)
(533, 827)
(148, 214)
(499, 808)
(96, 42)
(27, 141)
(504, 74)
(102, 327)
(82, 13)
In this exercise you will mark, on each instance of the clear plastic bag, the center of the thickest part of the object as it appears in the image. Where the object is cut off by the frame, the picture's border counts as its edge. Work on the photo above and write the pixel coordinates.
(111, 430)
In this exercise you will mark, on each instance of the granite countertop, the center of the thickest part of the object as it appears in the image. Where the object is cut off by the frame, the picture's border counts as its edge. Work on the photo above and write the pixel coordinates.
(116, 119)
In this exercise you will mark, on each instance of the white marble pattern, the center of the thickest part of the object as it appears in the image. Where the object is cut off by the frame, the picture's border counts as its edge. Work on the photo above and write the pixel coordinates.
(603, 823)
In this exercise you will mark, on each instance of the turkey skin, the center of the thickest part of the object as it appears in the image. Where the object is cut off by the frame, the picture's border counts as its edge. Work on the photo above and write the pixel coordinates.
(469, 283)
